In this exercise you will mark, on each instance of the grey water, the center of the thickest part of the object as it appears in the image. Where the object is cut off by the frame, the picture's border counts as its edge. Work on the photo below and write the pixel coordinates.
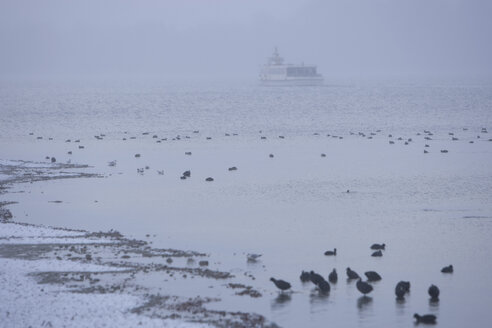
(431, 209)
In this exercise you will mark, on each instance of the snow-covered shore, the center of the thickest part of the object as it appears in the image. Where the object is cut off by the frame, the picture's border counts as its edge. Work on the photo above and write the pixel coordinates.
(58, 277)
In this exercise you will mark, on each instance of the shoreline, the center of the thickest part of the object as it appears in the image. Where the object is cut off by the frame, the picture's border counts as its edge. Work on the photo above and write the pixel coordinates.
(95, 277)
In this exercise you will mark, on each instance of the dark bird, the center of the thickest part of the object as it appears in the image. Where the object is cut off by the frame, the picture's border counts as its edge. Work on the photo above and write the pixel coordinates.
(282, 285)
(333, 276)
(305, 276)
(372, 276)
(427, 318)
(447, 269)
(187, 174)
(209, 179)
(315, 278)
(352, 274)
(377, 254)
(363, 287)
(378, 246)
(333, 252)
(434, 292)
(405, 285)
(324, 286)
(401, 289)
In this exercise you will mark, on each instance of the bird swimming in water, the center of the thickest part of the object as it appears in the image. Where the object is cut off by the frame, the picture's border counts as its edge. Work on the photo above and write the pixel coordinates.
(364, 287)
(331, 253)
(372, 276)
(281, 284)
(434, 292)
(448, 269)
(377, 254)
(333, 276)
(352, 274)
(427, 318)
(378, 246)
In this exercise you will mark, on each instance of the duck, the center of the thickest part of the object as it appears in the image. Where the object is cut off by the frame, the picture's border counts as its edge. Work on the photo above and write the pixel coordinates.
(305, 276)
(352, 274)
(399, 291)
(364, 287)
(404, 285)
(426, 318)
(434, 292)
(377, 254)
(315, 278)
(324, 286)
(281, 284)
(447, 269)
(331, 253)
(372, 276)
(378, 246)
(333, 276)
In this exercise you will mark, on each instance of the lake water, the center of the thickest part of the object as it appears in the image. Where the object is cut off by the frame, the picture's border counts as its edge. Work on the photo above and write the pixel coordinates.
(430, 209)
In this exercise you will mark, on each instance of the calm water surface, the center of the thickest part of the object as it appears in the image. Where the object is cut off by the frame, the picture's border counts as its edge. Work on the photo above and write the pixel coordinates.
(430, 209)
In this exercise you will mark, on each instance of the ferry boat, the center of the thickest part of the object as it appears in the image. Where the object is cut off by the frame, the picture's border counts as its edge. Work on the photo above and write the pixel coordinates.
(275, 72)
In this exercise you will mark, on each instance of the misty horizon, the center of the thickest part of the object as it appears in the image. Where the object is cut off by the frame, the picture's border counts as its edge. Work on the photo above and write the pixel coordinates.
(232, 39)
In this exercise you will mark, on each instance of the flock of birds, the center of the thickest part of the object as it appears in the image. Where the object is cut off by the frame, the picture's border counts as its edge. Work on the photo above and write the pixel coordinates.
(427, 136)
(323, 285)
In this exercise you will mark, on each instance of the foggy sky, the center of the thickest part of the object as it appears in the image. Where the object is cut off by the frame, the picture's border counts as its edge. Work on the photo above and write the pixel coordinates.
(232, 38)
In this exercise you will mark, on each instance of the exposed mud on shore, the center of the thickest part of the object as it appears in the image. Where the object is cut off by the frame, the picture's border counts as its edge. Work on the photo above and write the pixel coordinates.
(53, 276)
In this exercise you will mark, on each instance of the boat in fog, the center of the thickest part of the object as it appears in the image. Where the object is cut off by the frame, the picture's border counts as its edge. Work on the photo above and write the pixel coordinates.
(276, 72)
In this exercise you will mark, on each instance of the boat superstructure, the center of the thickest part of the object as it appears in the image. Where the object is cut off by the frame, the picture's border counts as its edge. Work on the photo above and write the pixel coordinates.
(276, 72)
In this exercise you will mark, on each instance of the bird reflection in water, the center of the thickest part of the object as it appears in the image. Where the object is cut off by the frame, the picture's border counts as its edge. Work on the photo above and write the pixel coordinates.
(433, 303)
(281, 301)
(364, 302)
(400, 303)
(318, 298)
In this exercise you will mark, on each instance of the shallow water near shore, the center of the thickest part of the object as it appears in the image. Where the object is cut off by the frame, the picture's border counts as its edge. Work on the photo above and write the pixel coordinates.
(430, 209)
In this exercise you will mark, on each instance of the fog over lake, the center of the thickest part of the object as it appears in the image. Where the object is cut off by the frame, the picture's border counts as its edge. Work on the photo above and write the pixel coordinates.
(149, 176)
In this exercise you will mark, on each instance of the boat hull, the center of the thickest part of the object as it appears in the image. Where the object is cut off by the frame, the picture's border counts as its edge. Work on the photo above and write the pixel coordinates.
(292, 82)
